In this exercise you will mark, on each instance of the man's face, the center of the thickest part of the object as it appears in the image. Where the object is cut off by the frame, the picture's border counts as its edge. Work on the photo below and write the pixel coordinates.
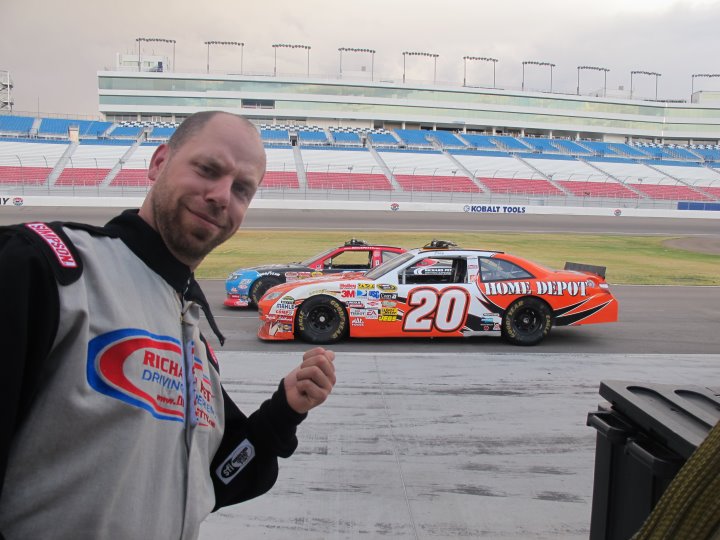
(203, 188)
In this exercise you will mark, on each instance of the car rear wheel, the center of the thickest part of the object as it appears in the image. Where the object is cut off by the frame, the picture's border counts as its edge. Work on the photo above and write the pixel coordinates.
(261, 286)
(321, 319)
(527, 321)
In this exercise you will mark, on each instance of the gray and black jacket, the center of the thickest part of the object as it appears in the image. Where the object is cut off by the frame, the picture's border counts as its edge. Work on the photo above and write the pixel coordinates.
(115, 422)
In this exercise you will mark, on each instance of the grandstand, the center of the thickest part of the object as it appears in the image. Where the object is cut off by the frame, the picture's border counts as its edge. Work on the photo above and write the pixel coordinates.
(42, 154)
(384, 140)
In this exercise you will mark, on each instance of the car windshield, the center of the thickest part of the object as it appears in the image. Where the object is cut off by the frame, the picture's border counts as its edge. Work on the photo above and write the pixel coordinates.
(321, 255)
(388, 266)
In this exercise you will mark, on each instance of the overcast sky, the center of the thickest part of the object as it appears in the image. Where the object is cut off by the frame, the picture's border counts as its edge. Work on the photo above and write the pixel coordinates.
(53, 49)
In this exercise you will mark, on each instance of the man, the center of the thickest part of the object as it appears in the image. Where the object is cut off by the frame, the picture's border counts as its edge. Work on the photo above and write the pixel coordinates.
(115, 422)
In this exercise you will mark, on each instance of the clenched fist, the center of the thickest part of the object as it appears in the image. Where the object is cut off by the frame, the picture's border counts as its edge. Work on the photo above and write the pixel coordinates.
(309, 384)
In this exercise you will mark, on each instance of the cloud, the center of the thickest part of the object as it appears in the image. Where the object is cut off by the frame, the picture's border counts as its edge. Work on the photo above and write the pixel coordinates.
(54, 58)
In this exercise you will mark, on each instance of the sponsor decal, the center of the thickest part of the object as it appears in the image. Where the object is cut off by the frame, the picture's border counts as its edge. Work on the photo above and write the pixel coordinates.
(548, 288)
(386, 287)
(371, 314)
(347, 293)
(388, 303)
(394, 207)
(354, 303)
(618, 212)
(282, 304)
(374, 294)
(347, 286)
(235, 462)
(269, 273)
(388, 296)
(18, 201)
(387, 318)
(151, 372)
(357, 313)
(385, 312)
(365, 286)
(493, 209)
(61, 251)
(280, 326)
(358, 322)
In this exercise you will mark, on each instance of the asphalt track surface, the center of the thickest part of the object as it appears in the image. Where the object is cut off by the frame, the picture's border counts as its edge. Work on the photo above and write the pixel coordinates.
(446, 439)
(653, 319)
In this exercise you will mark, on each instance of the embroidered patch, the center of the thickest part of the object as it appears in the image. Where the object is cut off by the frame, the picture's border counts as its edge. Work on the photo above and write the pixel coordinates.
(141, 369)
(236, 462)
(61, 251)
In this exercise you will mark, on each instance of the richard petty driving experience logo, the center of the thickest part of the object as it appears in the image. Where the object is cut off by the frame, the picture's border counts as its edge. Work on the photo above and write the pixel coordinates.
(148, 371)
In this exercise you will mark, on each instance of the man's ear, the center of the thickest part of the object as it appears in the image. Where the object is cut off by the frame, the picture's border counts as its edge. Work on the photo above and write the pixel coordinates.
(157, 161)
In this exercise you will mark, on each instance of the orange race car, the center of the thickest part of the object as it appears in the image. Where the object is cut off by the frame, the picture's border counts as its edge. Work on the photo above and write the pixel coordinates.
(463, 292)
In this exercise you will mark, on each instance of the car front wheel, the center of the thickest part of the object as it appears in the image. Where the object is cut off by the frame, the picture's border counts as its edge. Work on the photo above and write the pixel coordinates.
(321, 319)
(527, 321)
(261, 286)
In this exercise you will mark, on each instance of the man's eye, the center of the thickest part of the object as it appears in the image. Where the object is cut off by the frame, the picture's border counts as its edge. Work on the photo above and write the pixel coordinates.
(241, 189)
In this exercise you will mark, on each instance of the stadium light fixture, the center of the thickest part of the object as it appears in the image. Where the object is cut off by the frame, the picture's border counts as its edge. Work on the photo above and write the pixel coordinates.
(277, 46)
(154, 40)
(237, 43)
(641, 72)
(341, 50)
(537, 63)
(593, 68)
(6, 86)
(482, 59)
(703, 75)
(434, 56)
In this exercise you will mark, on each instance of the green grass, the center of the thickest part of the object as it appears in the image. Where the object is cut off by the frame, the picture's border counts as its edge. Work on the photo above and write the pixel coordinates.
(641, 260)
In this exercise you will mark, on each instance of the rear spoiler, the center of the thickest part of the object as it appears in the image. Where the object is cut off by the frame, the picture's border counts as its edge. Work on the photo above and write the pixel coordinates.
(587, 268)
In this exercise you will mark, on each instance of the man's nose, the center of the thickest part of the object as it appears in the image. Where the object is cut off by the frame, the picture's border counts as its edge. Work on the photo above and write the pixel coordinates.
(220, 190)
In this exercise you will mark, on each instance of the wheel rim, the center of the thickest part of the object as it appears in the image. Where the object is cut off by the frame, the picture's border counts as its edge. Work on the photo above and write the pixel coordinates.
(322, 319)
(527, 321)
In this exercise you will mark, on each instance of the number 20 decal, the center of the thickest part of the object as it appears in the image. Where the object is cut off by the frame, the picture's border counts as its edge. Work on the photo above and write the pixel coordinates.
(445, 310)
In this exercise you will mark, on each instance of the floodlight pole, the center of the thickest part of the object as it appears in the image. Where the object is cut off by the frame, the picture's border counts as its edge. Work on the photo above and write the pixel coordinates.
(277, 46)
(537, 63)
(238, 43)
(356, 50)
(594, 68)
(154, 40)
(704, 75)
(641, 72)
(481, 58)
(434, 56)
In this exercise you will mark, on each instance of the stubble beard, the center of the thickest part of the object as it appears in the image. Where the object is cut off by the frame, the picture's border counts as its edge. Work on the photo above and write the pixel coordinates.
(189, 244)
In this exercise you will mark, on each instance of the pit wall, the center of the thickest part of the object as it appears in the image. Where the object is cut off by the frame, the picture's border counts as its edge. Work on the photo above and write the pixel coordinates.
(10, 201)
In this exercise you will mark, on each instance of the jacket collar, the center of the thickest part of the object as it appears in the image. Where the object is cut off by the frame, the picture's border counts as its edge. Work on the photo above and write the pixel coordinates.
(148, 245)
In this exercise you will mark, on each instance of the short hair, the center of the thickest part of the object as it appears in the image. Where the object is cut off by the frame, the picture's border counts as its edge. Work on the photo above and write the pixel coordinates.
(194, 123)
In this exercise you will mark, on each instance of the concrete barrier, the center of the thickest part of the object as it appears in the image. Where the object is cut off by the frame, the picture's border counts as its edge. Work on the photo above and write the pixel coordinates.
(303, 204)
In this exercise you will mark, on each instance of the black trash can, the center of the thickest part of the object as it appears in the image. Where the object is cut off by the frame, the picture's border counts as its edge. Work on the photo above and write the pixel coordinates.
(646, 433)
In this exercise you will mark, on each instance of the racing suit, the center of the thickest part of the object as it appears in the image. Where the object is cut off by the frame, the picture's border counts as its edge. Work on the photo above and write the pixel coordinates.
(116, 424)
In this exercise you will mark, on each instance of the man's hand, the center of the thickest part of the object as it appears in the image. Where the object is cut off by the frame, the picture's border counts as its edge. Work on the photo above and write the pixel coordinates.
(309, 384)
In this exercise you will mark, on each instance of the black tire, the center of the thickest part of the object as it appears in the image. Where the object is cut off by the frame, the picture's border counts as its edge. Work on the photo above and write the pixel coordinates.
(261, 286)
(527, 321)
(321, 319)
